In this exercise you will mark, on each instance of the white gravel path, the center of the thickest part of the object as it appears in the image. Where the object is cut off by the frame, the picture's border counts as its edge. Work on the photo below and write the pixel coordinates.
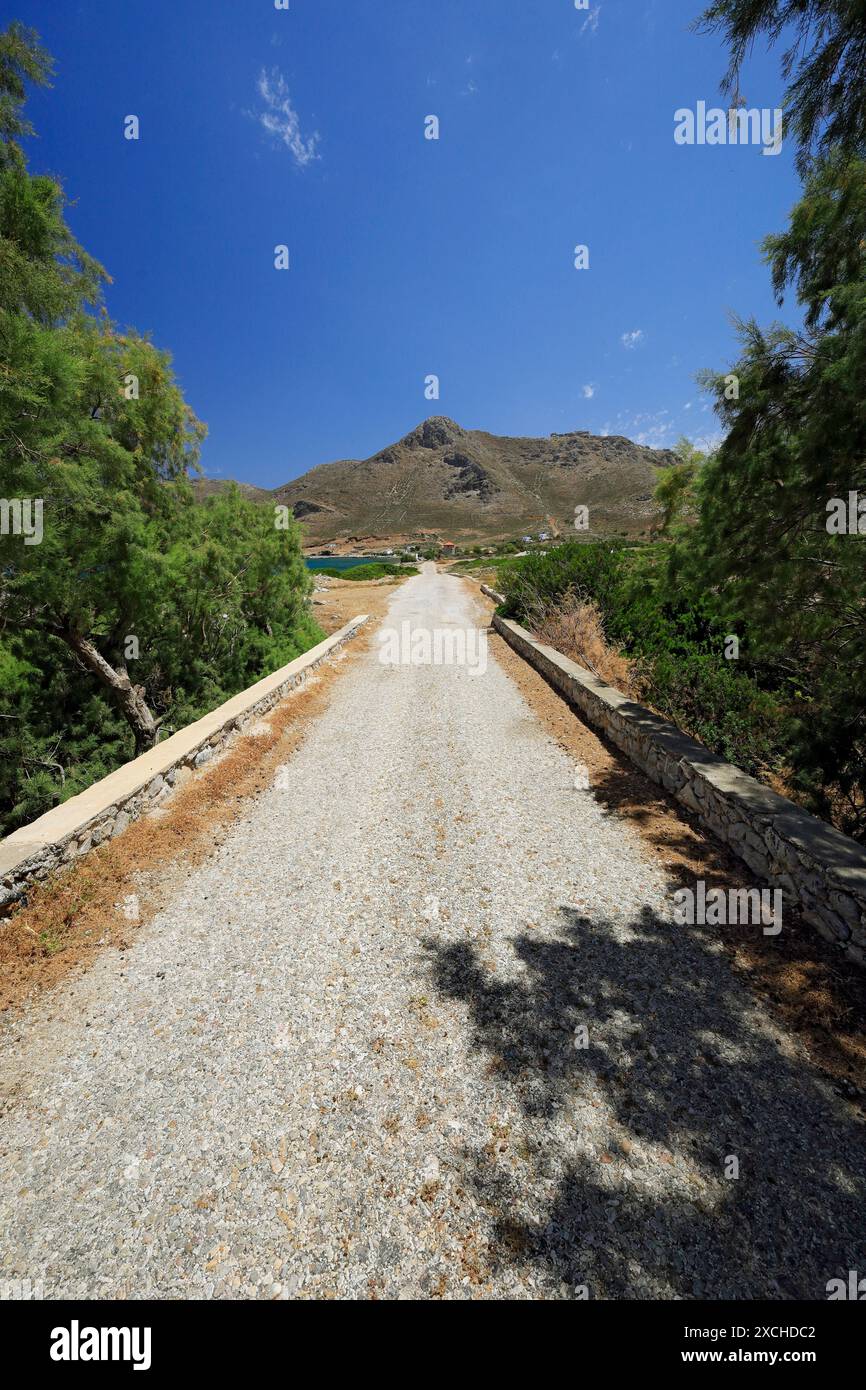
(342, 1063)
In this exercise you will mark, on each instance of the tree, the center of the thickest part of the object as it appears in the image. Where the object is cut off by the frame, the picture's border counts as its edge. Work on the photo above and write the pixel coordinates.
(796, 441)
(796, 447)
(131, 588)
(825, 65)
(674, 491)
(22, 60)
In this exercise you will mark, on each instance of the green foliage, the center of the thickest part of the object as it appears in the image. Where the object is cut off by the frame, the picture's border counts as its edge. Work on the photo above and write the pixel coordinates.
(796, 440)
(715, 702)
(796, 428)
(675, 487)
(373, 571)
(825, 64)
(545, 576)
(481, 562)
(22, 60)
(673, 631)
(137, 607)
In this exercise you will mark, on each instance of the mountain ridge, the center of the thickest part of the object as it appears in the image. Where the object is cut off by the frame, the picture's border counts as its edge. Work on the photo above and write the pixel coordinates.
(469, 485)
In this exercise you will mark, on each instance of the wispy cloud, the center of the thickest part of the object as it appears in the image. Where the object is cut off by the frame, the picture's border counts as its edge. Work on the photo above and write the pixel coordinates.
(633, 339)
(655, 437)
(280, 119)
(590, 24)
(709, 443)
(652, 428)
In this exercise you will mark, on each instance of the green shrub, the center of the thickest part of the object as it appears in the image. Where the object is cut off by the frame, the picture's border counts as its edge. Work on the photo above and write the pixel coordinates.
(674, 632)
(374, 571)
(708, 698)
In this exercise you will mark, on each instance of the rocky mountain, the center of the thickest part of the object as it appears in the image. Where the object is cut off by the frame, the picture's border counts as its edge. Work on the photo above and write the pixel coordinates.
(467, 485)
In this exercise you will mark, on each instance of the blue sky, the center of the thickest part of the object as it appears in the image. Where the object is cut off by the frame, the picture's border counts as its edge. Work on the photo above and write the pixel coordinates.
(409, 257)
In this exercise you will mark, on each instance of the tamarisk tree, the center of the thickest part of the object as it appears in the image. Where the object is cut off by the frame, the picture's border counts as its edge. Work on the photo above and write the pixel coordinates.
(133, 590)
(824, 63)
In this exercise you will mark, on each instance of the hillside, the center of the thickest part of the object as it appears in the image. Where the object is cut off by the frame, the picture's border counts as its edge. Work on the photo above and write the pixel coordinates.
(467, 485)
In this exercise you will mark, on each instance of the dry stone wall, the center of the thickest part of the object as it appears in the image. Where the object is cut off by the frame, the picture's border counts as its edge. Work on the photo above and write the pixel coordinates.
(110, 805)
(819, 871)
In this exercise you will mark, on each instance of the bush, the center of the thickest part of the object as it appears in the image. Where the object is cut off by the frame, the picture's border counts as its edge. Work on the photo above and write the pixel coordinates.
(374, 571)
(542, 579)
(712, 701)
(620, 611)
(574, 627)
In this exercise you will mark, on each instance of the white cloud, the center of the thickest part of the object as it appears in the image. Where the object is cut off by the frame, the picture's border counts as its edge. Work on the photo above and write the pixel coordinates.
(588, 391)
(632, 339)
(656, 437)
(709, 443)
(651, 428)
(280, 118)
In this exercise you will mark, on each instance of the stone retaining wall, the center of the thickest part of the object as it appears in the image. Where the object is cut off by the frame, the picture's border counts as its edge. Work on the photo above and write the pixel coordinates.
(820, 871)
(491, 593)
(107, 808)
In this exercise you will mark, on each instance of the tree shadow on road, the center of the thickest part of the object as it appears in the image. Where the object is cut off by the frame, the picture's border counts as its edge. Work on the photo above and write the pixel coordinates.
(813, 988)
(617, 1179)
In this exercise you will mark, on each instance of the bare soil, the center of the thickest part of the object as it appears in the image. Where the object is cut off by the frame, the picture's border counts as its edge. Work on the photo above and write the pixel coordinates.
(79, 912)
(341, 599)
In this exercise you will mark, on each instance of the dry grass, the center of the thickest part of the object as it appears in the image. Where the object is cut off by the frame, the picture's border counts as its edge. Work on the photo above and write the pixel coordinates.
(78, 912)
(574, 627)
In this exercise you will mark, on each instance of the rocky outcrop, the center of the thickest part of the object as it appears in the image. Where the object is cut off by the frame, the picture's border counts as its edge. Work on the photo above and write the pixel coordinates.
(471, 479)
(306, 508)
(436, 433)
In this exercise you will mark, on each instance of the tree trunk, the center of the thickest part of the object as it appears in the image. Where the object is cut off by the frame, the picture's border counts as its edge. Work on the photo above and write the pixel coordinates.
(129, 698)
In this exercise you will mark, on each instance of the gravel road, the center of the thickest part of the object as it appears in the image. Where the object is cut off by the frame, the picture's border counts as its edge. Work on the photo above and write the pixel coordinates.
(344, 1061)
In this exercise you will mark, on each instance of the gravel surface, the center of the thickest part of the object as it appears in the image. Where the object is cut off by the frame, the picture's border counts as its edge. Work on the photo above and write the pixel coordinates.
(343, 1062)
